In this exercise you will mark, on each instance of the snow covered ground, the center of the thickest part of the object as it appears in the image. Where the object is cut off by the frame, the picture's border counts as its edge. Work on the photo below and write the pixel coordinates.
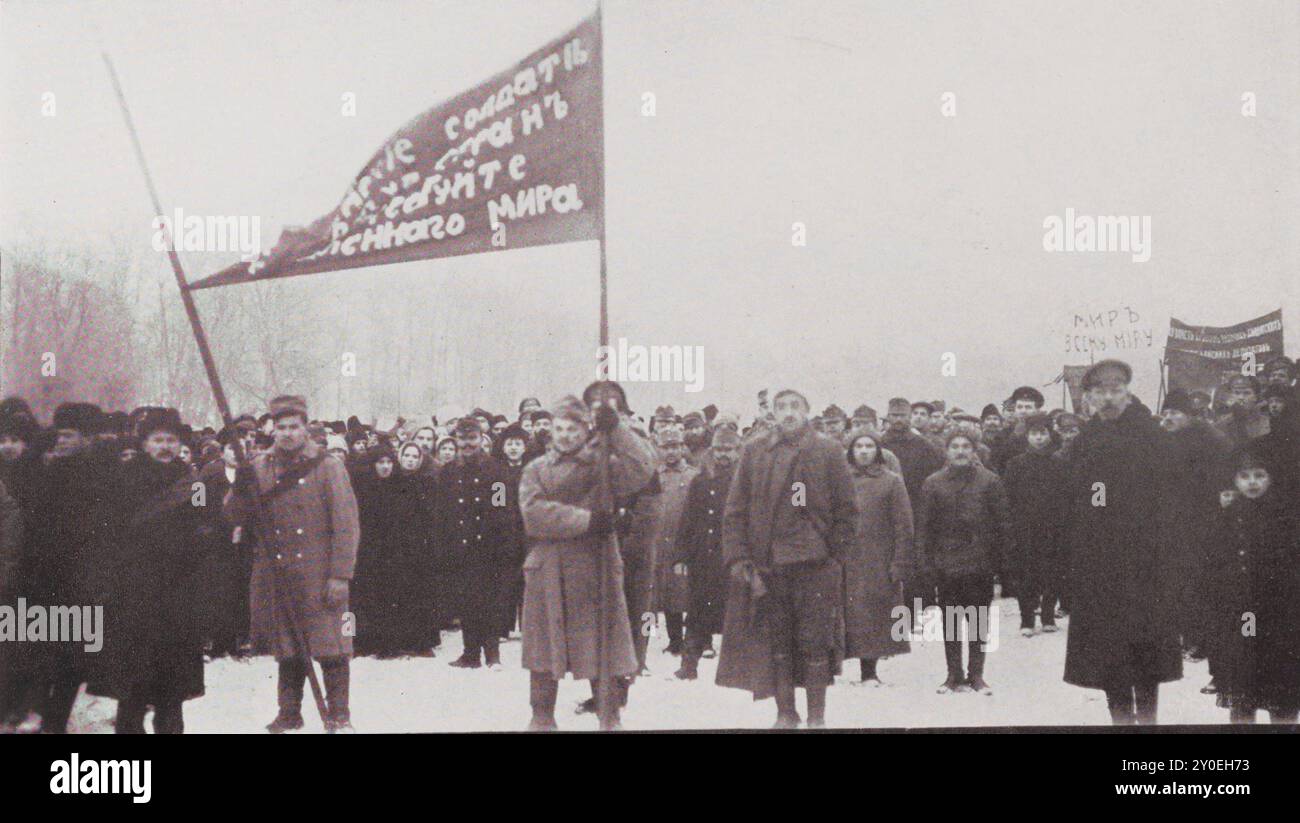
(427, 695)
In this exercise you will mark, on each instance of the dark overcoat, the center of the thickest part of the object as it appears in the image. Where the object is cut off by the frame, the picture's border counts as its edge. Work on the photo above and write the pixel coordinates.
(700, 541)
(475, 524)
(154, 611)
(1115, 578)
(1252, 600)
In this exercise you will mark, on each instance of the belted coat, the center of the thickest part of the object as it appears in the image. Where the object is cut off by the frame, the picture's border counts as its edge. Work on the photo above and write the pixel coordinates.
(307, 529)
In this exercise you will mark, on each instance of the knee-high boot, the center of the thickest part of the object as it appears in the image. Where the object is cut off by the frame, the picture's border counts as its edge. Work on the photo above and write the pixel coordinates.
(787, 716)
(542, 693)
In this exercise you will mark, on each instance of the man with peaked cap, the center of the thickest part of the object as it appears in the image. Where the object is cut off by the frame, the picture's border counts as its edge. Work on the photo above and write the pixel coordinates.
(834, 421)
(568, 527)
(305, 556)
(864, 419)
(695, 432)
(1120, 639)
(699, 542)
(672, 590)
(476, 529)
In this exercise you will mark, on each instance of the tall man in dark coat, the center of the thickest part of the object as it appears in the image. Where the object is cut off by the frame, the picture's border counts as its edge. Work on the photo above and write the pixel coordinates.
(153, 649)
(917, 460)
(70, 537)
(306, 554)
(699, 541)
(1118, 640)
(476, 527)
(790, 520)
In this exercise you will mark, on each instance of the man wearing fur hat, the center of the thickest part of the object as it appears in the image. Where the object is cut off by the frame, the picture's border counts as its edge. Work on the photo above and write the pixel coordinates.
(790, 519)
(153, 638)
(69, 542)
(570, 524)
(699, 541)
(476, 528)
(1121, 639)
(306, 552)
(675, 476)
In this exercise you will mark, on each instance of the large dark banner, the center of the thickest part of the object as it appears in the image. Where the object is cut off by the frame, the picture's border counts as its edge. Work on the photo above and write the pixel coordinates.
(1201, 358)
(513, 162)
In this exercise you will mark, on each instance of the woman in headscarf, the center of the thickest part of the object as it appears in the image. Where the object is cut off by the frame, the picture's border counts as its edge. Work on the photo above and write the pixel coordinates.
(409, 584)
(881, 560)
(376, 575)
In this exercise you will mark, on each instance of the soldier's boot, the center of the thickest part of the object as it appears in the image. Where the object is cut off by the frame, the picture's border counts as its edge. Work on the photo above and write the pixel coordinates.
(618, 692)
(816, 707)
(338, 685)
(471, 658)
(1145, 698)
(1120, 703)
(289, 685)
(975, 674)
(542, 693)
(787, 716)
(492, 654)
(690, 669)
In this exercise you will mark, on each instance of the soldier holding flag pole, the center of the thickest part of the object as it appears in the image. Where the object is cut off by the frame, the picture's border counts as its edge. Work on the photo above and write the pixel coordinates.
(565, 628)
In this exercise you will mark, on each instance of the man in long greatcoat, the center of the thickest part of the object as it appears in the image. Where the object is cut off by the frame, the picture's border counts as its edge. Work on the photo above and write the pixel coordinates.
(1120, 638)
(476, 524)
(790, 520)
(299, 500)
(699, 541)
(671, 585)
(568, 528)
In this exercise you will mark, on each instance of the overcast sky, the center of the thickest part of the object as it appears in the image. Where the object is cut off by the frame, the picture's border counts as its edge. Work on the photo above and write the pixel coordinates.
(924, 232)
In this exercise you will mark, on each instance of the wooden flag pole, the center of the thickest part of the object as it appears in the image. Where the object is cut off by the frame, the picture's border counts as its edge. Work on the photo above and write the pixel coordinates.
(196, 326)
(600, 186)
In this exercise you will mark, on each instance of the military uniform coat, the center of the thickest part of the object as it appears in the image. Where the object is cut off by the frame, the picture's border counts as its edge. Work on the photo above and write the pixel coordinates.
(673, 589)
(700, 542)
(561, 573)
(309, 536)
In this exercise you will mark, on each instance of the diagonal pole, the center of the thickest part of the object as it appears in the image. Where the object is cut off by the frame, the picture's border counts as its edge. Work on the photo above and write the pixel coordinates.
(192, 312)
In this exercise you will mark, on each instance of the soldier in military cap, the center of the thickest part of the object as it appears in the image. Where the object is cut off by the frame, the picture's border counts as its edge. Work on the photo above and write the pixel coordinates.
(298, 499)
(477, 530)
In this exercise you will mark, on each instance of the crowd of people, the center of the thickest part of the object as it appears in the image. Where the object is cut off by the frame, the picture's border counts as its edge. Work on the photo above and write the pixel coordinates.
(804, 541)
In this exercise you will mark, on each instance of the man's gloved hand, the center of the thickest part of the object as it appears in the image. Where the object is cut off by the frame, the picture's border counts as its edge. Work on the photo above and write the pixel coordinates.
(606, 418)
(601, 523)
(679, 569)
(336, 593)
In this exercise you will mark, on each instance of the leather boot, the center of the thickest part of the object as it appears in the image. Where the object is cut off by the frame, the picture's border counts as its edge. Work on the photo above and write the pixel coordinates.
(338, 682)
(289, 685)
(542, 692)
(816, 707)
(787, 716)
